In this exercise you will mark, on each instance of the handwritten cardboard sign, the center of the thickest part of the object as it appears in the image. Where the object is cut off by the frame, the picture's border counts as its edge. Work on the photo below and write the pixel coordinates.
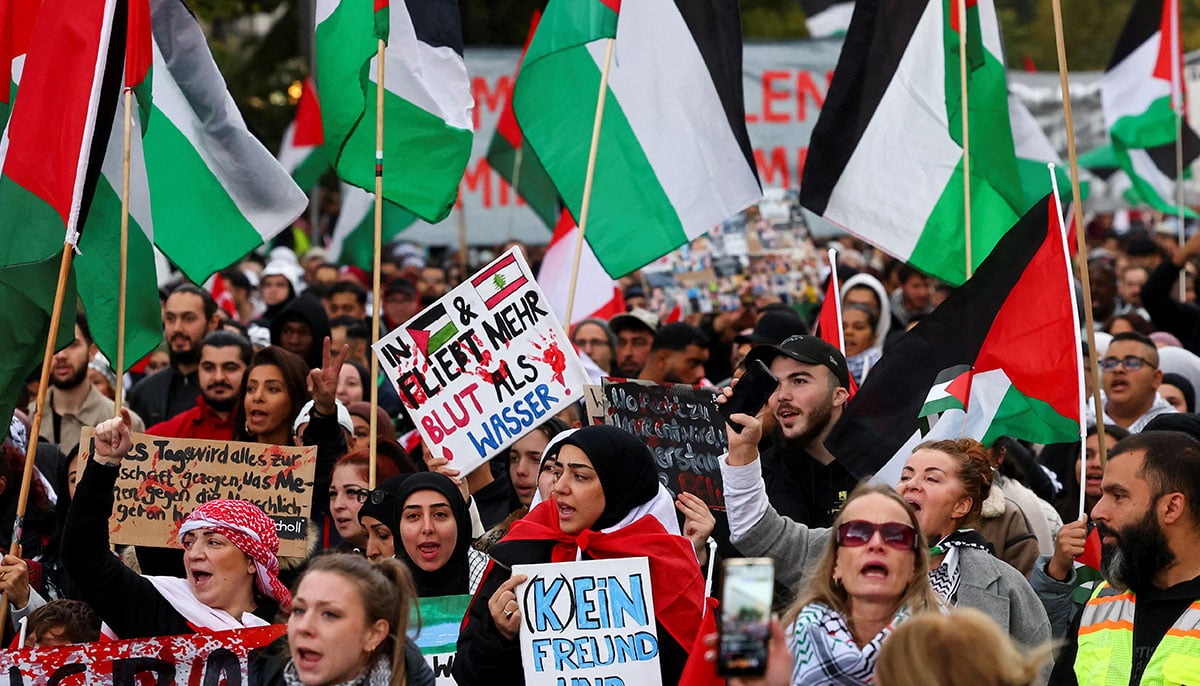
(683, 428)
(204, 658)
(588, 622)
(483, 365)
(441, 619)
(163, 479)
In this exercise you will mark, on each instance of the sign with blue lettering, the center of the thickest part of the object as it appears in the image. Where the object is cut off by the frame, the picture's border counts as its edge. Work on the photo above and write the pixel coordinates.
(588, 623)
(483, 365)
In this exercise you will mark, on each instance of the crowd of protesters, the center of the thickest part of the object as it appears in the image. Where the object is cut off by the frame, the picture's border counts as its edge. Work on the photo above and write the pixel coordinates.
(972, 552)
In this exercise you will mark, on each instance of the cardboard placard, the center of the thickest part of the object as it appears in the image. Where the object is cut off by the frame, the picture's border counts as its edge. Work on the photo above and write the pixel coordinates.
(593, 395)
(441, 620)
(589, 622)
(682, 427)
(483, 365)
(163, 479)
(203, 658)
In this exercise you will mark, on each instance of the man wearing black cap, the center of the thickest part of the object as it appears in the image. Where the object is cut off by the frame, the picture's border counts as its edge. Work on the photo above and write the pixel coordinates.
(803, 480)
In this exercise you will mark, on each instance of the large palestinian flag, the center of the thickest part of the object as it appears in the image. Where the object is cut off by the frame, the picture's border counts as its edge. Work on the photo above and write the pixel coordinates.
(1142, 96)
(674, 157)
(886, 157)
(427, 98)
(516, 163)
(49, 166)
(1004, 346)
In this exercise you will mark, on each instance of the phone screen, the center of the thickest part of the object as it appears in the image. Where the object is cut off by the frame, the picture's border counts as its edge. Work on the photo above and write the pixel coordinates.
(745, 616)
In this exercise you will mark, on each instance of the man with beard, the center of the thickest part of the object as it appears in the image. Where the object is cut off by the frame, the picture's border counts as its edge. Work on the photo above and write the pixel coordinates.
(1142, 625)
(72, 402)
(224, 357)
(803, 480)
(189, 315)
(677, 355)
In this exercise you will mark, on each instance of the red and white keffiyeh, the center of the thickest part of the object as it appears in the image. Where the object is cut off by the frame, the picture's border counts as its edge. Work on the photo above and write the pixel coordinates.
(252, 531)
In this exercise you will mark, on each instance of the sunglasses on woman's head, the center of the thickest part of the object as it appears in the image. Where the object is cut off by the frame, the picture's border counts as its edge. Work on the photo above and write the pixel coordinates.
(895, 534)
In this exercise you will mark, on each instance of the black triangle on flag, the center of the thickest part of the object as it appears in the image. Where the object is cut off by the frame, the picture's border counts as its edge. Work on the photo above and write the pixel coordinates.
(884, 414)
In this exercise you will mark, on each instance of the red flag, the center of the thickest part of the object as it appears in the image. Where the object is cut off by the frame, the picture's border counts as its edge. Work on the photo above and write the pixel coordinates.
(221, 293)
(675, 315)
(308, 116)
(1091, 550)
(698, 671)
(829, 322)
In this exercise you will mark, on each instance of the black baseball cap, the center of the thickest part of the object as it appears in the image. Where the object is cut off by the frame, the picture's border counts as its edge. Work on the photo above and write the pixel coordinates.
(806, 349)
(774, 327)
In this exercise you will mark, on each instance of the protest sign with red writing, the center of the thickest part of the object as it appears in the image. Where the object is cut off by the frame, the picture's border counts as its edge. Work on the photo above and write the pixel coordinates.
(163, 479)
(483, 365)
(202, 658)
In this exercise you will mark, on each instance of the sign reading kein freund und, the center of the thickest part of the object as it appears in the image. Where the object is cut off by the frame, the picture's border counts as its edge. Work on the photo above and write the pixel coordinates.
(483, 365)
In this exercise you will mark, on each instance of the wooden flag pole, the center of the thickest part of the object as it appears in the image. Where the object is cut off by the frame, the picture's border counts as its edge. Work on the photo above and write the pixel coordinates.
(1080, 238)
(587, 181)
(64, 270)
(377, 305)
(1181, 235)
(120, 370)
(966, 128)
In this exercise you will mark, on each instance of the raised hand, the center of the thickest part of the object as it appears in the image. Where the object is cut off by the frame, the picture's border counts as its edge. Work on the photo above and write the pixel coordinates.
(323, 381)
(113, 439)
(698, 521)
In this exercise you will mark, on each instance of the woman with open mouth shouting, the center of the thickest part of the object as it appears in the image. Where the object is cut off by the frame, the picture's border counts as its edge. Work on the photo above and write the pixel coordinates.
(945, 483)
(606, 503)
(229, 555)
(870, 577)
(347, 625)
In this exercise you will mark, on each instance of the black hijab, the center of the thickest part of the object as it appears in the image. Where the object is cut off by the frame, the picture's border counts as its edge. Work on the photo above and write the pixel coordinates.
(624, 466)
(454, 577)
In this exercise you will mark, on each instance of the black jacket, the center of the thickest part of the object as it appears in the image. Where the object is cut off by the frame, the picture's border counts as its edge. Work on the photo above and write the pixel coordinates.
(308, 310)
(164, 394)
(1179, 319)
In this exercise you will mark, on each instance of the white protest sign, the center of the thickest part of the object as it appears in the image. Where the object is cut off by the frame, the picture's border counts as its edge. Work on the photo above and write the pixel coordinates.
(483, 365)
(589, 622)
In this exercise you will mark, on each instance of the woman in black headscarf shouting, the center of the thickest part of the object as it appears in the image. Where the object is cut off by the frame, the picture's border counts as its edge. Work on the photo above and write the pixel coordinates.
(606, 504)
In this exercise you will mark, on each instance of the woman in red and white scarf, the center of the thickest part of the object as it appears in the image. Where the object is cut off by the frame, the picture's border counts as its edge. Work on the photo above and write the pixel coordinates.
(230, 555)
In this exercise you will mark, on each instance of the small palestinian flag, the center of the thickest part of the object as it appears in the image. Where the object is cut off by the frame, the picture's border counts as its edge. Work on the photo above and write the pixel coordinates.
(950, 391)
(432, 329)
(500, 280)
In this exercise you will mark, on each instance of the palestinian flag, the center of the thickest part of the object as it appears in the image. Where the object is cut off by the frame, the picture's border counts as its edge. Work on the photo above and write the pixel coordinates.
(353, 240)
(886, 157)
(516, 163)
(1142, 96)
(97, 266)
(826, 18)
(302, 152)
(16, 25)
(674, 157)
(1013, 325)
(427, 98)
(49, 164)
(432, 329)
(202, 161)
(597, 295)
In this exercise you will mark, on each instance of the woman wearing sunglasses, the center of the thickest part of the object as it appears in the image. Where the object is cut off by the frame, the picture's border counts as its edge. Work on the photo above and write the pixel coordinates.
(945, 482)
(870, 578)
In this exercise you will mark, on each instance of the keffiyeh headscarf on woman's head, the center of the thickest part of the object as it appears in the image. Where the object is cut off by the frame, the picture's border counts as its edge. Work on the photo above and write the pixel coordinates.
(252, 532)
